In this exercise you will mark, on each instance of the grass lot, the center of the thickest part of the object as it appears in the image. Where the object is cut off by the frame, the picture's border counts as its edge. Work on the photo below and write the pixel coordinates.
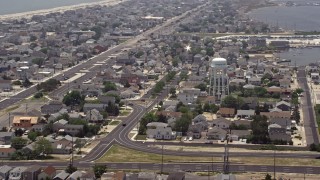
(12, 108)
(124, 112)
(114, 123)
(121, 154)
(268, 100)
(317, 112)
(141, 137)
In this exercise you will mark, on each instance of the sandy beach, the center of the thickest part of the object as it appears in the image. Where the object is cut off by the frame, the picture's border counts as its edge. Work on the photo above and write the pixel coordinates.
(58, 9)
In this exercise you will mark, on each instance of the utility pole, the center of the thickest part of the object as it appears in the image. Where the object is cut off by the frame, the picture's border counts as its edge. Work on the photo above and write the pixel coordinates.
(162, 160)
(26, 108)
(208, 172)
(274, 164)
(226, 158)
(9, 122)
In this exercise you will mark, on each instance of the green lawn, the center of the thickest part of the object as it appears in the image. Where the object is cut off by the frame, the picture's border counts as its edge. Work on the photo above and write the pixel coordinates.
(114, 123)
(141, 137)
(120, 154)
(124, 112)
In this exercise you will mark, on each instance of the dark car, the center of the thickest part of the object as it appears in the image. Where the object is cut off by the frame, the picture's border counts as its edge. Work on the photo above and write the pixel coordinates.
(124, 124)
(208, 142)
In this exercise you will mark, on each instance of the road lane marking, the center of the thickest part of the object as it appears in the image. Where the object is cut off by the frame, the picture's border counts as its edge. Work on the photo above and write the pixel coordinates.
(264, 168)
(241, 168)
(286, 169)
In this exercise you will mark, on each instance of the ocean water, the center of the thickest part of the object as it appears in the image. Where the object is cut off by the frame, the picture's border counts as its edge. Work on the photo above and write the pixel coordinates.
(19, 6)
(301, 57)
(300, 18)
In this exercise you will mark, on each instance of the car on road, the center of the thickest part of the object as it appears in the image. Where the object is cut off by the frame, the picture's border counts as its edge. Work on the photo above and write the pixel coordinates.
(124, 124)
(185, 139)
(190, 138)
(208, 142)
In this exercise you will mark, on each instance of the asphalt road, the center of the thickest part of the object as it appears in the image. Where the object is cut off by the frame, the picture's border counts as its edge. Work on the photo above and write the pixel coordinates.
(309, 119)
(120, 134)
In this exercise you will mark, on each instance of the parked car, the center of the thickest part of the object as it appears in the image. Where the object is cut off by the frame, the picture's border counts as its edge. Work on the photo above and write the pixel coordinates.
(185, 139)
(208, 142)
(190, 138)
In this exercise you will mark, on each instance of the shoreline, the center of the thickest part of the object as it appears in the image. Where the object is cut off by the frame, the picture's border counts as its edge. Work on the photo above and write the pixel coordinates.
(61, 9)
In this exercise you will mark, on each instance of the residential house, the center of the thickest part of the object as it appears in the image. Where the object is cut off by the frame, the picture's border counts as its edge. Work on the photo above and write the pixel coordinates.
(75, 175)
(107, 99)
(216, 133)
(38, 127)
(87, 107)
(5, 85)
(52, 107)
(276, 132)
(94, 116)
(48, 173)
(283, 122)
(127, 94)
(64, 128)
(6, 151)
(284, 106)
(4, 172)
(88, 175)
(61, 176)
(226, 112)
(188, 96)
(32, 172)
(62, 146)
(237, 82)
(25, 122)
(17, 173)
(171, 116)
(245, 113)
(239, 134)
(275, 89)
(221, 123)
(198, 125)
(275, 114)
(255, 81)
(5, 137)
(285, 83)
(176, 176)
(252, 102)
(157, 130)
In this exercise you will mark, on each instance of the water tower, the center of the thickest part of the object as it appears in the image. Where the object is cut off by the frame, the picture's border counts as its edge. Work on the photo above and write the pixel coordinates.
(219, 81)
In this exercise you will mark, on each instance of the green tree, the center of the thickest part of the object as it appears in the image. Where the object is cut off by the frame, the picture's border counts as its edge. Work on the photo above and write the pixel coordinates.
(73, 98)
(38, 61)
(18, 83)
(32, 135)
(259, 127)
(109, 86)
(49, 85)
(26, 83)
(173, 91)
(139, 54)
(232, 102)
(268, 177)
(18, 142)
(260, 91)
(175, 61)
(99, 170)
(71, 169)
(38, 95)
(183, 123)
(147, 118)
(43, 147)
(183, 76)
(202, 87)
(299, 91)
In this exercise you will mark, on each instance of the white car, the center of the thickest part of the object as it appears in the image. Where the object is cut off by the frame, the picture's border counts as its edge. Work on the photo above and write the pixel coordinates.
(190, 138)
(185, 139)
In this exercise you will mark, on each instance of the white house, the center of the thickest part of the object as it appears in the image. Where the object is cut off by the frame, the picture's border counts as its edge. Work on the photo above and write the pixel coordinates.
(158, 130)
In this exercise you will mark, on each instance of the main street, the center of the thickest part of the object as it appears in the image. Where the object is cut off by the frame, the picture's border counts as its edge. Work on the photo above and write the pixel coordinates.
(309, 120)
